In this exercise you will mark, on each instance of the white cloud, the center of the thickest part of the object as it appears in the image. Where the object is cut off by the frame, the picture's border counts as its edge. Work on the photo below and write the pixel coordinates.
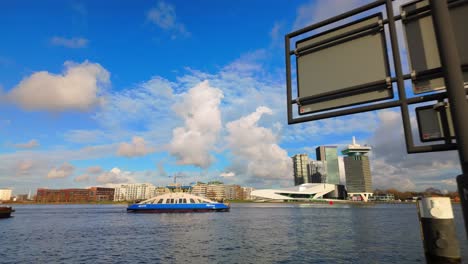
(146, 105)
(115, 176)
(137, 148)
(164, 16)
(316, 11)
(63, 171)
(94, 170)
(258, 147)
(79, 88)
(74, 43)
(228, 174)
(191, 144)
(24, 167)
(31, 144)
(393, 167)
(82, 178)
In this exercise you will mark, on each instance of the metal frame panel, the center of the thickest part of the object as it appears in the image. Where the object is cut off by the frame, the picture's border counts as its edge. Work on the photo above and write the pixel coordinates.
(344, 86)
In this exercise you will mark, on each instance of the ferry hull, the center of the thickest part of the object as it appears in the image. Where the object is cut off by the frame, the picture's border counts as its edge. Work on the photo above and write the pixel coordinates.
(177, 208)
(158, 211)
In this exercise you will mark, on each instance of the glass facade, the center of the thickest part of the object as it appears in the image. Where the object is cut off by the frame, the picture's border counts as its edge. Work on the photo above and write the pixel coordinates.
(330, 155)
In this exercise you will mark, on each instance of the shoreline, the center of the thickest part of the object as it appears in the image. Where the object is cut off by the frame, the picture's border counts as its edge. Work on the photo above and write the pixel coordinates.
(231, 202)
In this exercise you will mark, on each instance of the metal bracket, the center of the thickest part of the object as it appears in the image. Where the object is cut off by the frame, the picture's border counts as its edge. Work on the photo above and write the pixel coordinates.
(388, 80)
(413, 75)
(381, 24)
(298, 101)
(296, 53)
(440, 105)
(403, 15)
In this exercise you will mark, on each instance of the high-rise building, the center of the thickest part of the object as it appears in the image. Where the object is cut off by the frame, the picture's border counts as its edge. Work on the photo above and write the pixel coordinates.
(318, 171)
(5, 194)
(357, 170)
(329, 154)
(301, 169)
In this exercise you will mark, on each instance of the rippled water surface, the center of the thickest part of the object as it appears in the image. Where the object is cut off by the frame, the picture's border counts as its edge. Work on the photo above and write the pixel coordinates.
(250, 233)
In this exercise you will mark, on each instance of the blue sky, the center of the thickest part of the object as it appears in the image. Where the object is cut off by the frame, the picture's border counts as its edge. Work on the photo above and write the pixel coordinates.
(157, 88)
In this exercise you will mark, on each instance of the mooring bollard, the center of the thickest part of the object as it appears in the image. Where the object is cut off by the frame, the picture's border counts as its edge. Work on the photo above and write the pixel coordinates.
(438, 230)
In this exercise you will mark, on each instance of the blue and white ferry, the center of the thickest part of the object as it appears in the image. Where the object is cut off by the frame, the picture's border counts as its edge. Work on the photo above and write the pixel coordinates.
(177, 202)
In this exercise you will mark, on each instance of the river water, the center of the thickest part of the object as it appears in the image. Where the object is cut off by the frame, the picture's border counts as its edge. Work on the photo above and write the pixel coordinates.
(249, 233)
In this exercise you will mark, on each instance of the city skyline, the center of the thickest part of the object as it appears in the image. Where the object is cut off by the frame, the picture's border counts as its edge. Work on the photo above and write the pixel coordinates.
(142, 91)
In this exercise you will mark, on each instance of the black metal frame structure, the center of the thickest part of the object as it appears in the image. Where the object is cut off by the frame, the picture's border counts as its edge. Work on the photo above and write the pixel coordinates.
(447, 137)
(402, 102)
(451, 70)
(375, 28)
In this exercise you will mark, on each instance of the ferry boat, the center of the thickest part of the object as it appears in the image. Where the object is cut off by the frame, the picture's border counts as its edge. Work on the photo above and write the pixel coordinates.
(178, 202)
(5, 211)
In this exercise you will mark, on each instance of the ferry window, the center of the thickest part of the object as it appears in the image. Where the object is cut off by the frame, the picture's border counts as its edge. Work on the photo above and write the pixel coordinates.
(192, 201)
(181, 200)
(160, 201)
(199, 201)
(184, 200)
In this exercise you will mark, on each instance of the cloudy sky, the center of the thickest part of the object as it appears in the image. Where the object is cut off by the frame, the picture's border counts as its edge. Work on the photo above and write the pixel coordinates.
(96, 93)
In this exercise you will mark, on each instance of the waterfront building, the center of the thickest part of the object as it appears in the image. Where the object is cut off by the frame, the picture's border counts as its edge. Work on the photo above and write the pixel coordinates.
(357, 170)
(233, 192)
(63, 195)
(382, 197)
(318, 171)
(216, 192)
(301, 169)
(246, 191)
(303, 192)
(137, 191)
(21, 197)
(329, 155)
(101, 194)
(199, 189)
(5, 194)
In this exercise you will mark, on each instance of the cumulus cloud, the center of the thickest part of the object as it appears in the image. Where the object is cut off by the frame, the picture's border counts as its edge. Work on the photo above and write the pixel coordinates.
(24, 167)
(115, 176)
(80, 87)
(31, 144)
(137, 148)
(74, 43)
(191, 144)
(82, 178)
(164, 16)
(392, 167)
(227, 174)
(94, 170)
(63, 171)
(258, 147)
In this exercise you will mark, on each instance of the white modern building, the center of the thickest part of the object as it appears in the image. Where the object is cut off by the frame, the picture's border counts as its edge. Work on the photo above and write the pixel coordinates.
(131, 192)
(5, 194)
(306, 192)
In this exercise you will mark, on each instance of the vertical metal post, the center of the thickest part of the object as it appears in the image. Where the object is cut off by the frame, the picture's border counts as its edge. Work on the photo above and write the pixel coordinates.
(399, 76)
(451, 66)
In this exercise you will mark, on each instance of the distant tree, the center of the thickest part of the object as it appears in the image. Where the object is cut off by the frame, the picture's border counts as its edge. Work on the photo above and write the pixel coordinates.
(432, 191)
